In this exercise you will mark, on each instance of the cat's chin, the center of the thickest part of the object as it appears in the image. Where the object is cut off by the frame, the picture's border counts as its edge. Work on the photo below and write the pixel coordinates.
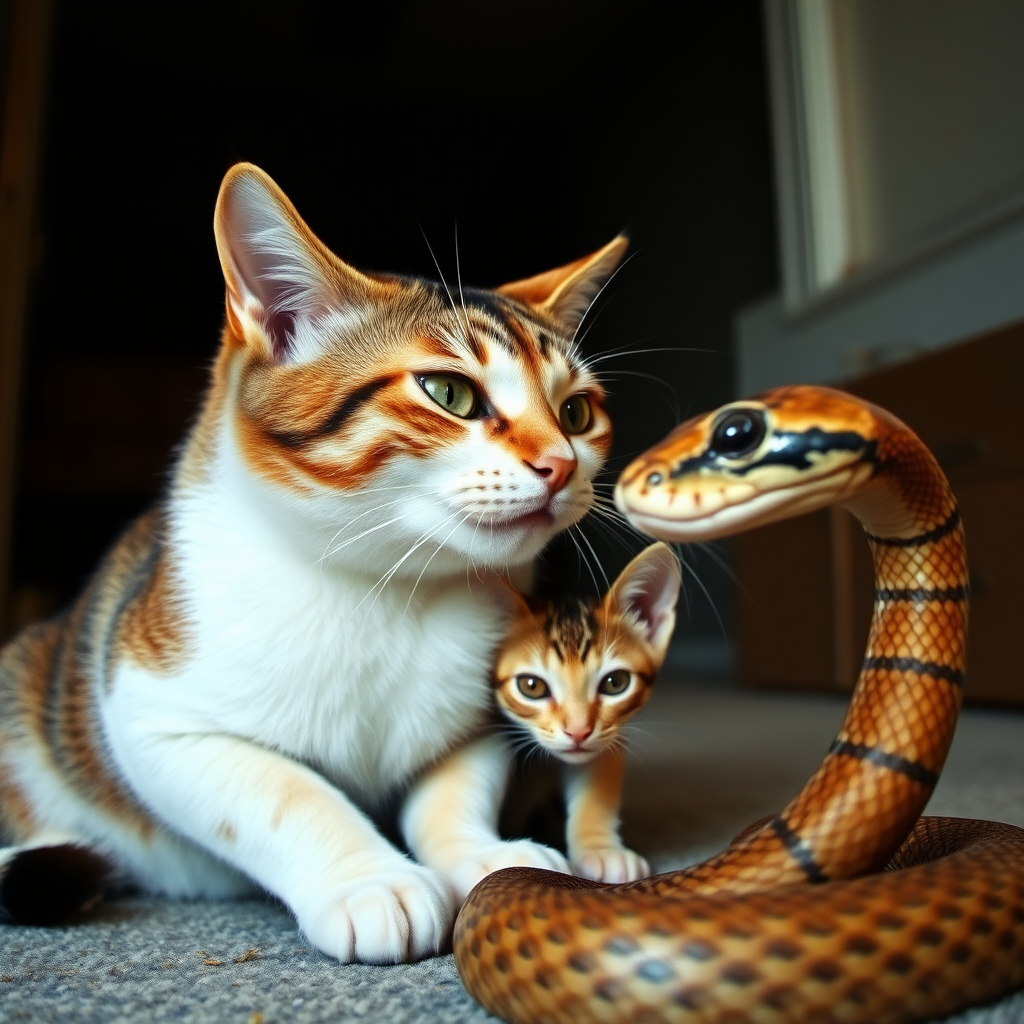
(542, 519)
(508, 542)
(574, 756)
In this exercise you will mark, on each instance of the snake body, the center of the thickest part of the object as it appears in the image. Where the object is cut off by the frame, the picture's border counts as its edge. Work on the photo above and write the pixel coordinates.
(796, 920)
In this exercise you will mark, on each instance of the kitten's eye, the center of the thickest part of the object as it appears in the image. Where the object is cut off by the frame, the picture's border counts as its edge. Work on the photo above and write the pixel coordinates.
(532, 686)
(453, 393)
(615, 683)
(575, 414)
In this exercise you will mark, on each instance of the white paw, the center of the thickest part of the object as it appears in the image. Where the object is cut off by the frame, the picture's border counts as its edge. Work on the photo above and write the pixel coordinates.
(403, 913)
(611, 864)
(518, 853)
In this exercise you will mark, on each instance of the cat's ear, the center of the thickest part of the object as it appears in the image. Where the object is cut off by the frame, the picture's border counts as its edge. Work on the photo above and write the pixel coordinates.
(565, 294)
(648, 588)
(281, 279)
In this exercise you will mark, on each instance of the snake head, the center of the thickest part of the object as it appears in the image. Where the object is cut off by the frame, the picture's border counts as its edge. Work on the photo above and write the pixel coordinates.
(785, 452)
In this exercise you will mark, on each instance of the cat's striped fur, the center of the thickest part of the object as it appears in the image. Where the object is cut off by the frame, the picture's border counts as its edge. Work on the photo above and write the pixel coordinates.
(303, 628)
(569, 675)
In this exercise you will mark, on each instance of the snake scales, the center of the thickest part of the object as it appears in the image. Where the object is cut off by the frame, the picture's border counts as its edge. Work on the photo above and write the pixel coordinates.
(795, 921)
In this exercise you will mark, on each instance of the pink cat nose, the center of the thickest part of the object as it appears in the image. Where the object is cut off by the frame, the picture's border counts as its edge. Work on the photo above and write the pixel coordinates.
(579, 733)
(555, 470)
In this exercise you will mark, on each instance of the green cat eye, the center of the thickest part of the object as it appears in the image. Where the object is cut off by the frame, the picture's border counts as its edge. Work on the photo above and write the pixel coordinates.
(532, 686)
(575, 414)
(615, 683)
(453, 393)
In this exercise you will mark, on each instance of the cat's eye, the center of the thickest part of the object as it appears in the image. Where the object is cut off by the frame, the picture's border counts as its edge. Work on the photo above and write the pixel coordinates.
(615, 683)
(451, 392)
(575, 414)
(532, 687)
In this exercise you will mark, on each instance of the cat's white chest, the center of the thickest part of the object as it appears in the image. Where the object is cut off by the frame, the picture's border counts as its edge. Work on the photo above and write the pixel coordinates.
(367, 684)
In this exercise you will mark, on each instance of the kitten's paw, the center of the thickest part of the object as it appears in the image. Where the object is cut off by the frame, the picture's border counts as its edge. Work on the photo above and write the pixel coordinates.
(402, 914)
(518, 853)
(611, 864)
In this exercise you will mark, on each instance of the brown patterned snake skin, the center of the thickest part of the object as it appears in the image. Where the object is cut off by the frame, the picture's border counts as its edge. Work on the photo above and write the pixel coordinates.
(791, 922)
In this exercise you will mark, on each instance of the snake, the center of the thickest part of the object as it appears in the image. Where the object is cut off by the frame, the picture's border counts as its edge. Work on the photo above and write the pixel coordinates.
(848, 906)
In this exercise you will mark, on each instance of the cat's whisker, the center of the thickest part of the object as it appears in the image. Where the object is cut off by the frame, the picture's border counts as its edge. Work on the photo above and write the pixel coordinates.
(582, 555)
(583, 536)
(458, 278)
(412, 593)
(611, 528)
(607, 505)
(379, 586)
(636, 751)
(674, 405)
(379, 526)
(572, 341)
(472, 564)
(460, 310)
(617, 354)
(355, 519)
(709, 549)
(700, 583)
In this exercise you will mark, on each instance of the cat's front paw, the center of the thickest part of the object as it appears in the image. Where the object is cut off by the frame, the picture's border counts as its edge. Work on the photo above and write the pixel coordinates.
(401, 914)
(611, 864)
(517, 853)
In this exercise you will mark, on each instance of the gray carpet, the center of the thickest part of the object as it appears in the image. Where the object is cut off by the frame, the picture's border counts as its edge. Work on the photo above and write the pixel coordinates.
(706, 762)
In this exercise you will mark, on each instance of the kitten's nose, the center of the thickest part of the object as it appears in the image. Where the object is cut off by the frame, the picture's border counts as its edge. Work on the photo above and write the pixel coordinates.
(578, 733)
(555, 470)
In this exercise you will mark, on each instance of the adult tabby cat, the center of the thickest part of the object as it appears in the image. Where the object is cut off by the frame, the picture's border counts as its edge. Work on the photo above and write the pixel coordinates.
(570, 674)
(300, 629)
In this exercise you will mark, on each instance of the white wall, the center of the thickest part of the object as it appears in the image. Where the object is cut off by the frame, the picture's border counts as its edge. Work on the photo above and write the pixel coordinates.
(957, 292)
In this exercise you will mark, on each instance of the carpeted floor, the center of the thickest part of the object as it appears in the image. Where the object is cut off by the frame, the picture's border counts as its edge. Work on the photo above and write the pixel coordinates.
(706, 762)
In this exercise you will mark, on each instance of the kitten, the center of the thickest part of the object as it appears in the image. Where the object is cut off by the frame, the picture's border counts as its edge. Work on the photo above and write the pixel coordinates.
(570, 674)
(294, 635)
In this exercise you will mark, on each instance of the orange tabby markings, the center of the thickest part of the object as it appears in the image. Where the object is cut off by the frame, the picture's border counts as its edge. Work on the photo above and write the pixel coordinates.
(233, 665)
(598, 803)
(292, 795)
(153, 633)
(15, 810)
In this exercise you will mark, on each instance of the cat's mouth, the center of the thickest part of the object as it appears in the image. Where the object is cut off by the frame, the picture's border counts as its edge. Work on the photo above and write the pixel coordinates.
(577, 754)
(538, 519)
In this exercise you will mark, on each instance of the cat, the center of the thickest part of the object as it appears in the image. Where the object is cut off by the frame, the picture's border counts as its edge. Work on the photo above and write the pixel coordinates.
(569, 675)
(302, 629)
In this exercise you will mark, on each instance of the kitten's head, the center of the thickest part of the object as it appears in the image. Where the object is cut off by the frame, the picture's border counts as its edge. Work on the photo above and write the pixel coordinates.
(572, 671)
(398, 417)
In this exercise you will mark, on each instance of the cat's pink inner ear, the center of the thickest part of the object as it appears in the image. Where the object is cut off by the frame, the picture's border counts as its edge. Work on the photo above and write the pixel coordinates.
(649, 587)
(566, 293)
(276, 270)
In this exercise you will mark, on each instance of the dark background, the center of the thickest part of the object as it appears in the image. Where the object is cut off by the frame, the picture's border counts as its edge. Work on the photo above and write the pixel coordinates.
(540, 129)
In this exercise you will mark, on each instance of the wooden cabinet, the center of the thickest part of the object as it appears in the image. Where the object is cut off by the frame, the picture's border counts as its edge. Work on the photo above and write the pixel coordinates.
(805, 585)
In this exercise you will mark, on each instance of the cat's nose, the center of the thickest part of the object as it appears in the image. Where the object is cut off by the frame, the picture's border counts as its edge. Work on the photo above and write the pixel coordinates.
(555, 470)
(578, 733)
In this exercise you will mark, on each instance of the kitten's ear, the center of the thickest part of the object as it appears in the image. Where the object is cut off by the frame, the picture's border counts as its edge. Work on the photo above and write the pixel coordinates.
(567, 292)
(281, 279)
(649, 588)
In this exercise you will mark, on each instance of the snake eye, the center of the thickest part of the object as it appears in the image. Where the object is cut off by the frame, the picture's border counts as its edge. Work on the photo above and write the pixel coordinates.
(739, 432)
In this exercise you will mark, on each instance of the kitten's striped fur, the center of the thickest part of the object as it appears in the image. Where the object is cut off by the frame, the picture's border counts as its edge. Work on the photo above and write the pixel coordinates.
(304, 626)
(571, 672)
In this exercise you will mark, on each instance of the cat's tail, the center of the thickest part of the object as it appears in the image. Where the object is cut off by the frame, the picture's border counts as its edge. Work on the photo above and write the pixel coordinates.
(46, 880)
